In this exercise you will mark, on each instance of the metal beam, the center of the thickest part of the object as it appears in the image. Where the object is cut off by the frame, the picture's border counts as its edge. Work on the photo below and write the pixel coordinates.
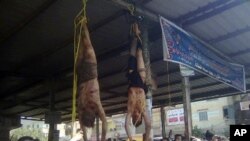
(178, 100)
(19, 89)
(154, 17)
(242, 52)
(38, 11)
(42, 95)
(155, 95)
(210, 6)
(107, 55)
(102, 89)
(215, 11)
(124, 5)
(230, 35)
(68, 73)
(200, 96)
(164, 93)
(105, 88)
(64, 108)
(66, 43)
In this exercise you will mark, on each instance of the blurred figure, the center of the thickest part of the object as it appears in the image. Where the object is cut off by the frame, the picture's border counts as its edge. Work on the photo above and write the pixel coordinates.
(27, 138)
(164, 139)
(195, 139)
(178, 137)
(78, 136)
(209, 135)
(116, 135)
(170, 135)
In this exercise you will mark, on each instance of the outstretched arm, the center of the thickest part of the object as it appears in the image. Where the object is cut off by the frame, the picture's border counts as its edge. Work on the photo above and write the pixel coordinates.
(104, 121)
(128, 125)
(80, 114)
(148, 126)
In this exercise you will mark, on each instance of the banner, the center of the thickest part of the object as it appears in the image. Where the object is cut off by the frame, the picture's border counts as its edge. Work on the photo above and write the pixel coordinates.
(175, 116)
(180, 47)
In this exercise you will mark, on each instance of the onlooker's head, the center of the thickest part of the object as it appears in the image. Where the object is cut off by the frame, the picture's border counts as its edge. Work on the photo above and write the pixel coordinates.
(26, 138)
(178, 137)
(164, 139)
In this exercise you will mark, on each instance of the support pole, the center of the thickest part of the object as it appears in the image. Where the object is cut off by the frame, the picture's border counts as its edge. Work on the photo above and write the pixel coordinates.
(187, 108)
(97, 129)
(186, 72)
(146, 55)
(163, 122)
(52, 126)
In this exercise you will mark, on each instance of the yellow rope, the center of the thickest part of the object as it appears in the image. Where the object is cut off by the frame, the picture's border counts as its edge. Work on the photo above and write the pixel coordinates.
(78, 23)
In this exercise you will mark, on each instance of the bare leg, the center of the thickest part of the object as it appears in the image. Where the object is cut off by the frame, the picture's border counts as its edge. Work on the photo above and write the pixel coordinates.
(134, 42)
(133, 48)
(141, 65)
(86, 52)
(139, 56)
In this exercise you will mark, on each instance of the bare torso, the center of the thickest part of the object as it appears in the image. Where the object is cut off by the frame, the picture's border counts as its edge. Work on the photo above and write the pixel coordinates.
(88, 103)
(89, 94)
(136, 110)
(136, 99)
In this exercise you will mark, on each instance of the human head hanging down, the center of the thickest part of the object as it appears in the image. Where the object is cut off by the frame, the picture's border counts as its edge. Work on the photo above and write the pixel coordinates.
(89, 104)
(137, 87)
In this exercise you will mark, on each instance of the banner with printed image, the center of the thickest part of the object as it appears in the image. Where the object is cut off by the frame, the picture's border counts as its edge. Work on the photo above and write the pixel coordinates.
(181, 47)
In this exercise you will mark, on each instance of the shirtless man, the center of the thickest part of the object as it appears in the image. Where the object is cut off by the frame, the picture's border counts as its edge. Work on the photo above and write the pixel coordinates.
(137, 88)
(89, 104)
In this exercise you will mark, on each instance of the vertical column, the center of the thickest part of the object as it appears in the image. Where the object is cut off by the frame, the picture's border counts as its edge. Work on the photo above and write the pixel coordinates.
(146, 55)
(97, 129)
(186, 73)
(187, 108)
(52, 125)
(163, 122)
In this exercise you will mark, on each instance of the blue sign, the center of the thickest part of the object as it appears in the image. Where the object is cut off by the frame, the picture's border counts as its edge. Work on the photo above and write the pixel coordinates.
(180, 47)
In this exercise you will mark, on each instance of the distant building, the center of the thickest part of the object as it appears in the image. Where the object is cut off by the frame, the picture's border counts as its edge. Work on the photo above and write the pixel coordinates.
(30, 124)
(215, 115)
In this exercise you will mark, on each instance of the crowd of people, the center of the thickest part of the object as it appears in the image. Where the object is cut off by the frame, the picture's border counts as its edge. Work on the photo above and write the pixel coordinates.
(207, 136)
